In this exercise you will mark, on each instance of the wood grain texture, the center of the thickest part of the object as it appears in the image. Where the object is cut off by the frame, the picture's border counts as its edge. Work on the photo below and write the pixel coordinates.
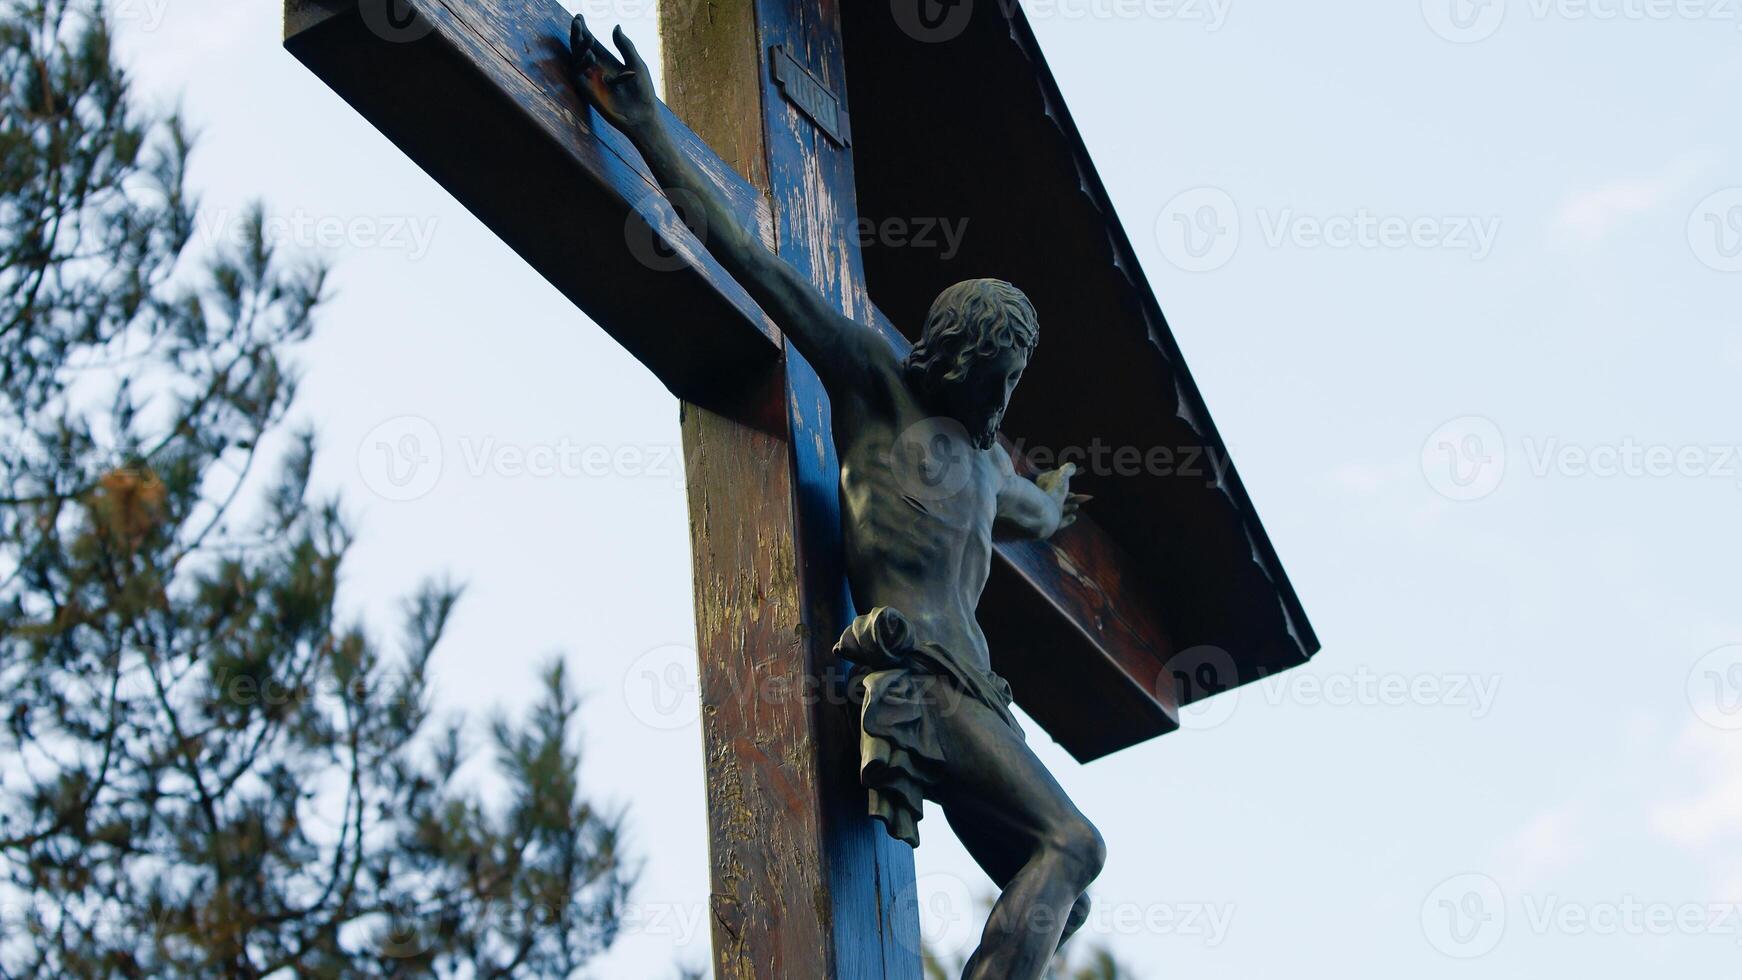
(476, 93)
(716, 92)
(871, 876)
(768, 895)
(804, 883)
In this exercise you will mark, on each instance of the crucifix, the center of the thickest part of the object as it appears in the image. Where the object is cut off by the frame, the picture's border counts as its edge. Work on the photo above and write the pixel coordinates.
(743, 245)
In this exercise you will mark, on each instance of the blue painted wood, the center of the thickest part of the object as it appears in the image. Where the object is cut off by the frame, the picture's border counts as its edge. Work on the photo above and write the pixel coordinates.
(870, 876)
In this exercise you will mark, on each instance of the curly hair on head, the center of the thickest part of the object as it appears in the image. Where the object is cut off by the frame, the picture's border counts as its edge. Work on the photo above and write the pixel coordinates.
(970, 320)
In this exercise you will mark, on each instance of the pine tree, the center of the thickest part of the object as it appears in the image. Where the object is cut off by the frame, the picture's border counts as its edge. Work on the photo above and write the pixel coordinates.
(205, 770)
(1097, 963)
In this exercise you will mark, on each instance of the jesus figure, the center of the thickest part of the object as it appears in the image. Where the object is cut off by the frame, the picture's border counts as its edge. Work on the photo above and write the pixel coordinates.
(925, 486)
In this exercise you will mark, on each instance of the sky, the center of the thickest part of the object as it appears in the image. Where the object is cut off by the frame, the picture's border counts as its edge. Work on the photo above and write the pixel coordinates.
(1459, 281)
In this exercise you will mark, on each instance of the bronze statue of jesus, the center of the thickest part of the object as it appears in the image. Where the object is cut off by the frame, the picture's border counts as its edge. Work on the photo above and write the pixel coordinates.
(924, 489)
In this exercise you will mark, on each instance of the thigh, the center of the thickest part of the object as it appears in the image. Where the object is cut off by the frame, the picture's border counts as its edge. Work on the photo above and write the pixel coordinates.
(996, 794)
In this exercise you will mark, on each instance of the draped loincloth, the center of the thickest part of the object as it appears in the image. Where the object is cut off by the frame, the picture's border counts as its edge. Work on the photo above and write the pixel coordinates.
(903, 687)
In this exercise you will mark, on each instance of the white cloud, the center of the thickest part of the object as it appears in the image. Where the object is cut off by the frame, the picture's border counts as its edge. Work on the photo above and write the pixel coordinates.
(165, 45)
(1714, 812)
(1549, 842)
(1732, 354)
(1590, 216)
(1370, 479)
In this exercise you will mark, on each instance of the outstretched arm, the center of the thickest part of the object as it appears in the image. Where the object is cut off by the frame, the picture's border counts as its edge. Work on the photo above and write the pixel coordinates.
(622, 92)
(1038, 508)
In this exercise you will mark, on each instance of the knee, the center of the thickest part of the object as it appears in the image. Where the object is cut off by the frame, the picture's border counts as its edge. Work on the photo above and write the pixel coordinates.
(1078, 917)
(1083, 851)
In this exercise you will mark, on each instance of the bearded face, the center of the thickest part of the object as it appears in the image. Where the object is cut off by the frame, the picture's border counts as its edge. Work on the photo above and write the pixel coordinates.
(979, 399)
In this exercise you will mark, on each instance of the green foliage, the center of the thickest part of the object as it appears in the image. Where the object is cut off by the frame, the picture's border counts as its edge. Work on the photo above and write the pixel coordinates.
(1097, 963)
(1100, 966)
(203, 769)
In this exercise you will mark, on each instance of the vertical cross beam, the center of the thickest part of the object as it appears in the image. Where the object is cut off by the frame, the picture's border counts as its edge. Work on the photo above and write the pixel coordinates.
(803, 883)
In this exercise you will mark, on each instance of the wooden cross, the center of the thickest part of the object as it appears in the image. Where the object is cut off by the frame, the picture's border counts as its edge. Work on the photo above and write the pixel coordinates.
(1165, 592)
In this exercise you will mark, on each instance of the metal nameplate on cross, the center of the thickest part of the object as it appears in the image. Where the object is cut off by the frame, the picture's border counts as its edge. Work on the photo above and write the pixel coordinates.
(812, 97)
(862, 479)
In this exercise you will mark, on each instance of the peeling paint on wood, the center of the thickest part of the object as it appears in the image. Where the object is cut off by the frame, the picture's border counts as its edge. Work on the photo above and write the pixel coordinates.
(834, 877)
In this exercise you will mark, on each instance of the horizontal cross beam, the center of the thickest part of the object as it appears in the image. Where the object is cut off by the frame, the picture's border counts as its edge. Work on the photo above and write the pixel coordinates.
(477, 94)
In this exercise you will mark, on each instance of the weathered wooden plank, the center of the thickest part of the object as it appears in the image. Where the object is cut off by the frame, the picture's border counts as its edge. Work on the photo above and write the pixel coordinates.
(524, 47)
(875, 932)
(767, 894)
(477, 94)
(804, 883)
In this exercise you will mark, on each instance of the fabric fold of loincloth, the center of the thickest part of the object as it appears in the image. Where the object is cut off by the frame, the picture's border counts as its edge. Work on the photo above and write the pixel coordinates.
(903, 685)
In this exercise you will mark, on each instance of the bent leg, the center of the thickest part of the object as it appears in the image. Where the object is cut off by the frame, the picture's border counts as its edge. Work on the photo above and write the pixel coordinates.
(1017, 822)
(1001, 858)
